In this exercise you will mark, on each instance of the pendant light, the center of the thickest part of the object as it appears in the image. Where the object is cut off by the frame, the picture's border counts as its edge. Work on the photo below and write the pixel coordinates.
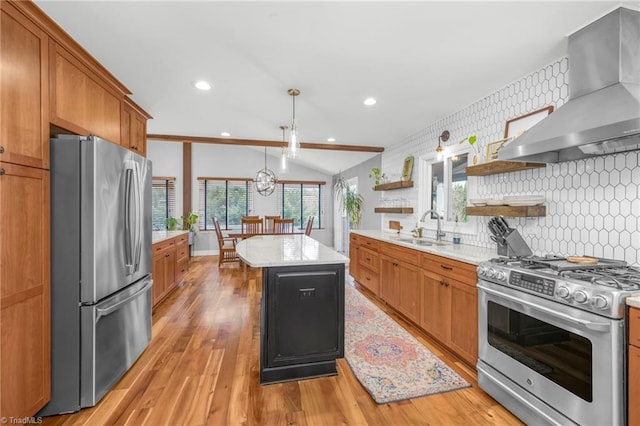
(265, 179)
(284, 167)
(294, 143)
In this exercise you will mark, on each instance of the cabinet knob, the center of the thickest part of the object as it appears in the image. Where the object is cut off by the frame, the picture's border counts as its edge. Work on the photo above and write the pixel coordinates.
(1, 171)
(1, 149)
(448, 268)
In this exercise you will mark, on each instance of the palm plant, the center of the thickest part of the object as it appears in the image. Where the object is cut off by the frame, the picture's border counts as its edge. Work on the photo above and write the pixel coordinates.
(349, 201)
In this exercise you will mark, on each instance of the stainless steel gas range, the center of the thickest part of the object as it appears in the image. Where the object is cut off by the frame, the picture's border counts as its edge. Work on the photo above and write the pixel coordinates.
(552, 338)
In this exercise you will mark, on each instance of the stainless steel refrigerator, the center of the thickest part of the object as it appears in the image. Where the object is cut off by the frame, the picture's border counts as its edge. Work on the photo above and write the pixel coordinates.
(100, 268)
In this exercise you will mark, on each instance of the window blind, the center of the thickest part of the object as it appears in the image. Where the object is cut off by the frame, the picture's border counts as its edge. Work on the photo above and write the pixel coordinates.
(227, 199)
(163, 201)
(301, 199)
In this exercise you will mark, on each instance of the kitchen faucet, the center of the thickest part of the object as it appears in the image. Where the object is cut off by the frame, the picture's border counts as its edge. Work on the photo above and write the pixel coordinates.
(439, 233)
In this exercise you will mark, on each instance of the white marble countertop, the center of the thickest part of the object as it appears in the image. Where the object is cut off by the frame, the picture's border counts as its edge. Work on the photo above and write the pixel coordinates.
(633, 301)
(461, 252)
(286, 250)
(159, 236)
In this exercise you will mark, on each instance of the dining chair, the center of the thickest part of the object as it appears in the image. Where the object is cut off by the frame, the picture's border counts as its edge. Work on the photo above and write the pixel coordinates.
(268, 224)
(252, 225)
(283, 226)
(307, 231)
(227, 246)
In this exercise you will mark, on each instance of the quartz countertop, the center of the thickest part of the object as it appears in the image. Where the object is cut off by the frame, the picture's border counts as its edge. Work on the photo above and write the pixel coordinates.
(461, 252)
(633, 301)
(286, 250)
(159, 236)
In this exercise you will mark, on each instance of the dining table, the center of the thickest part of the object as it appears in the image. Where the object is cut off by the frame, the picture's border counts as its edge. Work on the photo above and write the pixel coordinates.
(242, 236)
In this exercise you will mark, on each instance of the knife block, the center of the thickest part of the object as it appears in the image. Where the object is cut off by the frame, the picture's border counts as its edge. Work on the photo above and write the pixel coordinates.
(513, 245)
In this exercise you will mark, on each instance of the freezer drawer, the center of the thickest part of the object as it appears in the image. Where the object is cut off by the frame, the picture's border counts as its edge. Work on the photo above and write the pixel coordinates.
(114, 334)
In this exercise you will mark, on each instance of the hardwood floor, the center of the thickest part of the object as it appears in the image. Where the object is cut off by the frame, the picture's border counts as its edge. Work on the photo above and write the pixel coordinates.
(202, 367)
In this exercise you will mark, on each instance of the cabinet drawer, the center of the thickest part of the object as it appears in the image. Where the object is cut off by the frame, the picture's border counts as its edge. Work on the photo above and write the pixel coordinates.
(634, 327)
(182, 251)
(182, 239)
(461, 271)
(182, 268)
(163, 246)
(369, 279)
(369, 243)
(369, 259)
(400, 253)
(354, 239)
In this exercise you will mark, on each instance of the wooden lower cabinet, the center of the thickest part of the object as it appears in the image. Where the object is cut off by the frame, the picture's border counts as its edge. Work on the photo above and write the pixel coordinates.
(25, 320)
(170, 265)
(389, 287)
(634, 367)
(435, 306)
(354, 249)
(464, 320)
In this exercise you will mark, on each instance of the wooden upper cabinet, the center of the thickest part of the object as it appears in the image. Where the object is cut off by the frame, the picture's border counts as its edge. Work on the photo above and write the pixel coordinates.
(81, 102)
(24, 80)
(134, 127)
(25, 322)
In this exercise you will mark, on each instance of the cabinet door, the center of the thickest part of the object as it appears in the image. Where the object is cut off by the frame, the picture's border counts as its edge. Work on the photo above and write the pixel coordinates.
(25, 322)
(138, 134)
(81, 102)
(409, 286)
(634, 386)
(24, 84)
(389, 290)
(436, 306)
(369, 279)
(353, 260)
(464, 320)
(158, 278)
(170, 270)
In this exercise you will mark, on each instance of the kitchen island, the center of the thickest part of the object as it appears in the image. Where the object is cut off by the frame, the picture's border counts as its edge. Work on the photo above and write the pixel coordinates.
(302, 308)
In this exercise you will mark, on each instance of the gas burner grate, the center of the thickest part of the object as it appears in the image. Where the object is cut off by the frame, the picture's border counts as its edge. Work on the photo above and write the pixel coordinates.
(624, 278)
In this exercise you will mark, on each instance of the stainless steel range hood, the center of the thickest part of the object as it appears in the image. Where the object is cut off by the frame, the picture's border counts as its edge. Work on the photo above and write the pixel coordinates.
(602, 115)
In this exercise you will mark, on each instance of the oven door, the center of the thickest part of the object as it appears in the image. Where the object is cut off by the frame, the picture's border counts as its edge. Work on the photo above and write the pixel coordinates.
(571, 360)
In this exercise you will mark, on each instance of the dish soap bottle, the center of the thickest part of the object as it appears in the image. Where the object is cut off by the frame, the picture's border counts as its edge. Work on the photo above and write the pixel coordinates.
(456, 232)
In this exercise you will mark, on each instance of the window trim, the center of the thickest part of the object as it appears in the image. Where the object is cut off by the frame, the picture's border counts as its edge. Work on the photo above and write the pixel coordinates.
(318, 222)
(471, 226)
(226, 180)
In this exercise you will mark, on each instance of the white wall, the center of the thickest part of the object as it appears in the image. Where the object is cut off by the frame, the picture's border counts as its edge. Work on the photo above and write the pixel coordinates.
(166, 158)
(592, 204)
(211, 160)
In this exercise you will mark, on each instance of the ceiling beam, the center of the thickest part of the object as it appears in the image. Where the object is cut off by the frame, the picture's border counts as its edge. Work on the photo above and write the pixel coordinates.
(252, 142)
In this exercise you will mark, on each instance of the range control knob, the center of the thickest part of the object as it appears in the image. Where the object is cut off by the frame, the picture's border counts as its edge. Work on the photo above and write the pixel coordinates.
(500, 275)
(599, 302)
(481, 270)
(563, 292)
(580, 296)
(491, 273)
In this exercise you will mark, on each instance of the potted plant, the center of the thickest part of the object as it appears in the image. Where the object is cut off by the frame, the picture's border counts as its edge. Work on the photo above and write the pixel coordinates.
(172, 223)
(349, 200)
(472, 141)
(189, 224)
(377, 174)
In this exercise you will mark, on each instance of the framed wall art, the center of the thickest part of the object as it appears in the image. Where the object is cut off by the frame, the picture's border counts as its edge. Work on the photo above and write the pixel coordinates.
(518, 125)
(494, 147)
(407, 168)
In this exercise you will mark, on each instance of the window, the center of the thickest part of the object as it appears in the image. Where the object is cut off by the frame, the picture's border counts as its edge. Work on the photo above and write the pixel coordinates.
(300, 200)
(226, 199)
(163, 201)
(444, 180)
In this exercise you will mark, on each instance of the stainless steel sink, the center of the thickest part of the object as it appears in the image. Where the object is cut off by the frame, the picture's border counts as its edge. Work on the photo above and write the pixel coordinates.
(420, 242)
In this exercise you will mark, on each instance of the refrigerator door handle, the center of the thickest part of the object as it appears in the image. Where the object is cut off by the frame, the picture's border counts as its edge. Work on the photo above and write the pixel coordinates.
(138, 218)
(128, 232)
(103, 312)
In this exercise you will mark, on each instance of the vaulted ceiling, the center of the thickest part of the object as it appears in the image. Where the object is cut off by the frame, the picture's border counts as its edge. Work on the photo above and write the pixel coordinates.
(420, 60)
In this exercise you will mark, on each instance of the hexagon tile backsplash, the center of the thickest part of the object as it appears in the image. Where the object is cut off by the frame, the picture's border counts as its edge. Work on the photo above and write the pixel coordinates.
(593, 205)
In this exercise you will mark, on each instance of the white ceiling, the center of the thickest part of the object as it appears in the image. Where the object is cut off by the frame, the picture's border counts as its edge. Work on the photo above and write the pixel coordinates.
(421, 60)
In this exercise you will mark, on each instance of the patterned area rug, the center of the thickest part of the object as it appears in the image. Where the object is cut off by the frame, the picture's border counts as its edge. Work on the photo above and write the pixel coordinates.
(390, 363)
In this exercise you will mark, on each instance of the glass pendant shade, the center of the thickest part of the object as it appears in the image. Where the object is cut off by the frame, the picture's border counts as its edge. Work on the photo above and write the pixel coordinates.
(284, 166)
(294, 143)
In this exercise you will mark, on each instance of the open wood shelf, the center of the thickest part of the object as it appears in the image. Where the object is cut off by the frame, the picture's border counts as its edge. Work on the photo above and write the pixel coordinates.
(508, 211)
(393, 185)
(401, 210)
(500, 166)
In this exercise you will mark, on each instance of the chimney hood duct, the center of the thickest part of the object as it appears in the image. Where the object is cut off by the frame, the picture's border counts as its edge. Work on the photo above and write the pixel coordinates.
(602, 115)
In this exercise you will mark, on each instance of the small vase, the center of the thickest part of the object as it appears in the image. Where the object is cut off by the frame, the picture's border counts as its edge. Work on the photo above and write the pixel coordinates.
(475, 160)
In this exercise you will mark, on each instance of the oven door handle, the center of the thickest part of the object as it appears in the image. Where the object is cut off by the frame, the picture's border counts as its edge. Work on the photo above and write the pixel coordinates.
(591, 325)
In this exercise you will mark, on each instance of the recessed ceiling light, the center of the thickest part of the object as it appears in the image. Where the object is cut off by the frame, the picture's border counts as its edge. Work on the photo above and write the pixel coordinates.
(369, 101)
(331, 139)
(202, 85)
(225, 134)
